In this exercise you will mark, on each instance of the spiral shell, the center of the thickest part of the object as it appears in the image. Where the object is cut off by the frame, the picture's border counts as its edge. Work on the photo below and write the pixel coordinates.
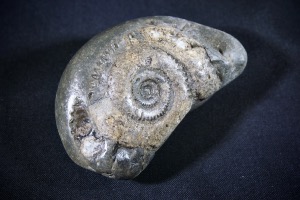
(127, 89)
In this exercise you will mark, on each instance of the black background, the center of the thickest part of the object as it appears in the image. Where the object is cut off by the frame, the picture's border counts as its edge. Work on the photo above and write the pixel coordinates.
(242, 144)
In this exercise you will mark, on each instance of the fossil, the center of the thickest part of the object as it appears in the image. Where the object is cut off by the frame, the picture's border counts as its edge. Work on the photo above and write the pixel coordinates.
(126, 90)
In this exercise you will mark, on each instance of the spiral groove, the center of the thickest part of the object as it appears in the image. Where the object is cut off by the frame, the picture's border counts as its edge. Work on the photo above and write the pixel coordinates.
(150, 95)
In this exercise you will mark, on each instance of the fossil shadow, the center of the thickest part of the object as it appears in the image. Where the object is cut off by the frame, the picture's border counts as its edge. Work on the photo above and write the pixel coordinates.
(205, 128)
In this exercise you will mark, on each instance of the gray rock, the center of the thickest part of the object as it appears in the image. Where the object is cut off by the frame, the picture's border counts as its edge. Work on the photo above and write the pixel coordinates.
(127, 89)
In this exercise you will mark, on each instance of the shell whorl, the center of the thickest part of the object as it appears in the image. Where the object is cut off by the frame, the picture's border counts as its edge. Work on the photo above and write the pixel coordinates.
(150, 95)
(145, 91)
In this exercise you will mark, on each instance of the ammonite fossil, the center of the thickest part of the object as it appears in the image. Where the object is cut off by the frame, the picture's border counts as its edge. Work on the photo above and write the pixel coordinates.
(126, 90)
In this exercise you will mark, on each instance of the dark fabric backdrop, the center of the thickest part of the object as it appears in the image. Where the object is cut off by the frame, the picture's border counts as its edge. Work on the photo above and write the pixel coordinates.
(242, 144)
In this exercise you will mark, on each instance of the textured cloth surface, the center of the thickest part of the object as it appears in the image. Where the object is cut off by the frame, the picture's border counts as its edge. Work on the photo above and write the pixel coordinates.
(242, 144)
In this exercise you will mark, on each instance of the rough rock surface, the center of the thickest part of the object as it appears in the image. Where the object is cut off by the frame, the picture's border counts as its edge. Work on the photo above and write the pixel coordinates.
(127, 89)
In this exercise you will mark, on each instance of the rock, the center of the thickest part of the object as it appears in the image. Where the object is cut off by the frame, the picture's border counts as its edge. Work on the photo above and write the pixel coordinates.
(127, 89)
